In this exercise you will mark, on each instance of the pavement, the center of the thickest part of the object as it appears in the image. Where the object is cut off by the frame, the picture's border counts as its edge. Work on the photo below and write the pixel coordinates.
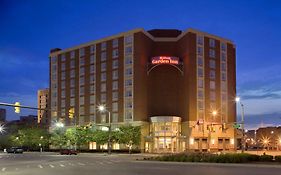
(118, 164)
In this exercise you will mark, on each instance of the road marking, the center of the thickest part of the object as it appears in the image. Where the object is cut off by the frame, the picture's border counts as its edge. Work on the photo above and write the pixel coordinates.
(62, 165)
(81, 163)
(52, 166)
(3, 169)
(40, 166)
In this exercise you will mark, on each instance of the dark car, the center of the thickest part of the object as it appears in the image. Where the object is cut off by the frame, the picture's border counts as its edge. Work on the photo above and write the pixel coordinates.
(68, 152)
(15, 150)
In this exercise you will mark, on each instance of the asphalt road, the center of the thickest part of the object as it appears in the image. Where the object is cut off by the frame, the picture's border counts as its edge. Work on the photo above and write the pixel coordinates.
(99, 164)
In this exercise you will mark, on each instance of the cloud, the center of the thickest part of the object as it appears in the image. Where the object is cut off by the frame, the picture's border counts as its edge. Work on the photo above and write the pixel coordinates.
(262, 120)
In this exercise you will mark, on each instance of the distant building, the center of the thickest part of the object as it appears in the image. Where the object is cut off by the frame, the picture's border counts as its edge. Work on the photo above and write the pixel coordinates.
(43, 96)
(2, 115)
(269, 138)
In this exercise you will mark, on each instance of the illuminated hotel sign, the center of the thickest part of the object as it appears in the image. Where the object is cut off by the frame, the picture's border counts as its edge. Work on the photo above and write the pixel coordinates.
(165, 60)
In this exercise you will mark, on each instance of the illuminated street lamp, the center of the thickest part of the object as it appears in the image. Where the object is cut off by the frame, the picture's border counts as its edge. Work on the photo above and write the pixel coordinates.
(59, 125)
(102, 109)
(2, 129)
(237, 99)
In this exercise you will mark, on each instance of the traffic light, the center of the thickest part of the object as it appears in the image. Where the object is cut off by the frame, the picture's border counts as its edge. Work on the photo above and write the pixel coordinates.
(236, 125)
(71, 112)
(17, 107)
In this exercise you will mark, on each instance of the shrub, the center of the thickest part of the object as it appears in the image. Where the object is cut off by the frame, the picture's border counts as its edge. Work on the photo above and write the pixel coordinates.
(278, 158)
(266, 158)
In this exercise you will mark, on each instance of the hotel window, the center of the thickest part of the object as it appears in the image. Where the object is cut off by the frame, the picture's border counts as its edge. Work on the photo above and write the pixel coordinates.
(54, 60)
(115, 64)
(200, 94)
(54, 68)
(200, 83)
(223, 76)
(128, 115)
(103, 87)
(115, 75)
(200, 40)
(128, 60)
(212, 53)
(81, 100)
(72, 102)
(72, 54)
(223, 56)
(115, 53)
(128, 93)
(72, 64)
(103, 118)
(54, 77)
(115, 107)
(82, 80)
(92, 89)
(128, 39)
(82, 61)
(114, 85)
(72, 73)
(62, 75)
(212, 64)
(81, 52)
(103, 98)
(223, 66)
(223, 97)
(92, 59)
(212, 43)
(103, 46)
(200, 72)
(129, 104)
(92, 99)
(212, 85)
(92, 49)
(200, 105)
(92, 109)
(72, 83)
(115, 117)
(200, 51)
(62, 57)
(62, 103)
(62, 66)
(212, 96)
(82, 89)
(63, 84)
(115, 43)
(128, 50)
(223, 46)
(92, 79)
(129, 71)
(114, 96)
(82, 71)
(63, 94)
(200, 61)
(212, 74)
(92, 69)
(223, 86)
(103, 56)
(103, 76)
(128, 82)
(62, 112)
(103, 66)
(81, 110)
(72, 92)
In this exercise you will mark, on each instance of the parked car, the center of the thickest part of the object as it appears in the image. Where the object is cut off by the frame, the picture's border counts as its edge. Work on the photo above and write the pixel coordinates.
(15, 150)
(68, 152)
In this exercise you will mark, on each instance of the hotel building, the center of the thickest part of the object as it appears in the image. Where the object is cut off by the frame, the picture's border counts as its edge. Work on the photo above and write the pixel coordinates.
(178, 85)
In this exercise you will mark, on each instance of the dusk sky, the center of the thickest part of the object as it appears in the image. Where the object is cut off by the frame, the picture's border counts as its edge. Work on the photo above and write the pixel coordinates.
(29, 29)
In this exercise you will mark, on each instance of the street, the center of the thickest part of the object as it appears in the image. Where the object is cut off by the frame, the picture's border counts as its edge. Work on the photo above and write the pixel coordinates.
(117, 164)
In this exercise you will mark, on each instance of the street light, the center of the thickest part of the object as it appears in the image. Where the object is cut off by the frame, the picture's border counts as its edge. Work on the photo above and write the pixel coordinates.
(59, 125)
(237, 99)
(2, 129)
(101, 109)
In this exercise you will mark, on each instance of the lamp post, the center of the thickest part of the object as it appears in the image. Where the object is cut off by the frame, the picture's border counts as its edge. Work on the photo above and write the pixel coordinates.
(237, 99)
(2, 129)
(102, 108)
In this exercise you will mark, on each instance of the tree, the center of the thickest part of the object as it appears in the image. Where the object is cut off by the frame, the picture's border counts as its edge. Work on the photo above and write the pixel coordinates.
(129, 135)
(79, 135)
(58, 138)
(100, 137)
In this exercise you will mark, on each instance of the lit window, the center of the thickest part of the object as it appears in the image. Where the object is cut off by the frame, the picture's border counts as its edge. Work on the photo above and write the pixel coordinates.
(115, 106)
(103, 87)
(81, 52)
(200, 40)
(212, 74)
(72, 54)
(92, 99)
(72, 102)
(212, 96)
(115, 75)
(92, 68)
(72, 64)
(200, 72)
(212, 43)
(63, 57)
(103, 56)
(200, 61)
(103, 46)
(200, 51)
(128, 39)
(200, 83)
(62, 75)
(103, 76)
(115, 64)
(92, 49)
(82, 80)
(115, 43)
(128, 50)
(81, 100)
(82, 71)
(128, 60)
(114, 96)
(115, 85)
(212, 85)
(212, 53)
(82, 61)
(115, 53)
(82, 90)
(103, 66)
(92, 59)
(128, 82)
(103, 118)
(72, 92)
(212, 64)
(103, 98)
